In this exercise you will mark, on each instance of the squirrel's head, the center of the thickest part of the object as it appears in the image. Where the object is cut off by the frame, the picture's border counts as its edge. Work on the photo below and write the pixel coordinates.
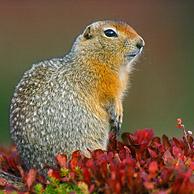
(109, 42)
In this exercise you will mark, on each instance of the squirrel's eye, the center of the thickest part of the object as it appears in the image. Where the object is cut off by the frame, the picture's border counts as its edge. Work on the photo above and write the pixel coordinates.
(110, 33)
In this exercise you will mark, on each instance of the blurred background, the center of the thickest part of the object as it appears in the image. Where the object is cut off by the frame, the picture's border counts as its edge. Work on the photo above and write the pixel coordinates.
(163, 83)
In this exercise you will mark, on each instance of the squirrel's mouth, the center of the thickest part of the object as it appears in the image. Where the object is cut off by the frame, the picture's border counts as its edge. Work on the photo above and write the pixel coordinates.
(134, 53)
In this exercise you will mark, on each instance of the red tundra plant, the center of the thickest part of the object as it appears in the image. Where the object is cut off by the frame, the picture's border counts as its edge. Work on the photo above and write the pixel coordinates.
(140, 163)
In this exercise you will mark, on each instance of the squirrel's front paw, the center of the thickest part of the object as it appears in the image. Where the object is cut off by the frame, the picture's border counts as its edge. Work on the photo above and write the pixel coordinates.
(116, 117)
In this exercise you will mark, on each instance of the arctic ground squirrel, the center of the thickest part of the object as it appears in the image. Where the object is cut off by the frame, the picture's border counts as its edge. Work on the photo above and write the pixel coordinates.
(72, 102)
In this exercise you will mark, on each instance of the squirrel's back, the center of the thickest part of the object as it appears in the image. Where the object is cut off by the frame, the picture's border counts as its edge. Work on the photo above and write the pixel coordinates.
(51, 112)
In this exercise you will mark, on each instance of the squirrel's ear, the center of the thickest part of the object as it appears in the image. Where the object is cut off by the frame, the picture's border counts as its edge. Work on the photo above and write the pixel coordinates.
(87, 33)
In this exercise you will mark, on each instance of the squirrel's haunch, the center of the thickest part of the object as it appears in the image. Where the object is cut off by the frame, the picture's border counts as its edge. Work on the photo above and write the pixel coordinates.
(71, 103)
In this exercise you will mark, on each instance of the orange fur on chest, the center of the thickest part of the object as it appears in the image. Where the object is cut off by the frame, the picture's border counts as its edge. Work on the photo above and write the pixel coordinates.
(108, 87)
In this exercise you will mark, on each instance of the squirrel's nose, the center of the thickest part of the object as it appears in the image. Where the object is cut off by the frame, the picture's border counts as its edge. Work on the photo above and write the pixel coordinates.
(140, 43)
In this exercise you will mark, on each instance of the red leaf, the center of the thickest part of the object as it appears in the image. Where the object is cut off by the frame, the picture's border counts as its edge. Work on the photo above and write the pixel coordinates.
(168, 158)
(31, 177)
(177, 152)
(62, 160)
(144, 136)
(192, 165)
(89, 163)
(91, 189)
(127, 139)
(117, 158)
(96, 154)
(152, 153)
(166, 142)
(76, 156)
(178, 143)
(110, 156)
(86, 175)
(148, 185)
(153, 167)
(21, 171)
(183, 183)
(54, 174)
(3, 182)
(117, 187)
(128, 152)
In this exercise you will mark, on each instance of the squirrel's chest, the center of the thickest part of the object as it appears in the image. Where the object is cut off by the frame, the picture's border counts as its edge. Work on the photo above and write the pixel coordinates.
(108, 86)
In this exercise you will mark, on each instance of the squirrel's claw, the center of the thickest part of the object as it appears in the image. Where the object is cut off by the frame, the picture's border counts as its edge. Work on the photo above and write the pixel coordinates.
(116, 115)
(119, 123)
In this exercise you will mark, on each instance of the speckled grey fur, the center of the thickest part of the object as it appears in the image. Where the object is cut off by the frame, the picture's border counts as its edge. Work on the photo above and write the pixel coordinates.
(49, 116)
